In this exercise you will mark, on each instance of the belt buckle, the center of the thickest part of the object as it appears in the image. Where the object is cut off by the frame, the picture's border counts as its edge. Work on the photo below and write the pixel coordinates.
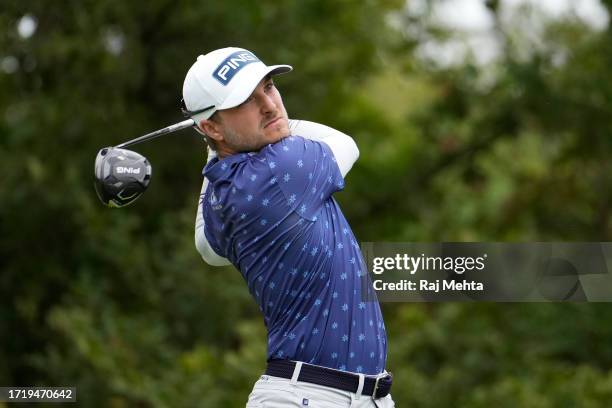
(387, 375)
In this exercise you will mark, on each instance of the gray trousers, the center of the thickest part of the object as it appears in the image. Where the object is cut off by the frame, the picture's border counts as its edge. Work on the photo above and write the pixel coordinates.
(276, 392)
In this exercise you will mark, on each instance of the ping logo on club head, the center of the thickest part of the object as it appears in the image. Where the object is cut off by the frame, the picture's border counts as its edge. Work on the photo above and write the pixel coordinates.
(232, 65)
(127, 170)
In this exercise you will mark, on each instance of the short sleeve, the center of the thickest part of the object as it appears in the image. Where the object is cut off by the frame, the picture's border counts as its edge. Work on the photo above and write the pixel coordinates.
(307, 173)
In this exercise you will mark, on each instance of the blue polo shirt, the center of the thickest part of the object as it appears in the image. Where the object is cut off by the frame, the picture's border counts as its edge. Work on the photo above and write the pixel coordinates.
(272, 214)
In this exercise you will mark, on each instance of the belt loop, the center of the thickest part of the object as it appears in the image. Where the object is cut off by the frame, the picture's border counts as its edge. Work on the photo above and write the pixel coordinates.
(296, 372)
(360, 388)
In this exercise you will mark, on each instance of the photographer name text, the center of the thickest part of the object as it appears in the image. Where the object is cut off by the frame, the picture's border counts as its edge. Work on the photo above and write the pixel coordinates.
(425, 285)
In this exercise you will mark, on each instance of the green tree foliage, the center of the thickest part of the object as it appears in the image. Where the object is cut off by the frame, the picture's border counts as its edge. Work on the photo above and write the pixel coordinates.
(118, 302)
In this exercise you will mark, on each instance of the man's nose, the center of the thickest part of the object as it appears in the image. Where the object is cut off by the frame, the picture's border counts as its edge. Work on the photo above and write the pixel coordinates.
(267, 104)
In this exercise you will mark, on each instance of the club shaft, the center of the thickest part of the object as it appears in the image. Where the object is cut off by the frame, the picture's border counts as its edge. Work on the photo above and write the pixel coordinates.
(172, 128)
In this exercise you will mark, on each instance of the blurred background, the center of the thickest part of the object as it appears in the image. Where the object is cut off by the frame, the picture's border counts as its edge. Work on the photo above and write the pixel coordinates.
(477, 121)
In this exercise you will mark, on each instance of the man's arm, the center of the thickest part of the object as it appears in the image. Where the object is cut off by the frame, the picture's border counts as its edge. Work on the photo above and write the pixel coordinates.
(343, 146)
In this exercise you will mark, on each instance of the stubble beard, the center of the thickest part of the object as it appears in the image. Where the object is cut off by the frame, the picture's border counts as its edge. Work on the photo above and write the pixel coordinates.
(251, 143)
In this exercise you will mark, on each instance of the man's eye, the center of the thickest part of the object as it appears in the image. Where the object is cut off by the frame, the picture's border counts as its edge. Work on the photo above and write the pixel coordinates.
(269, 86)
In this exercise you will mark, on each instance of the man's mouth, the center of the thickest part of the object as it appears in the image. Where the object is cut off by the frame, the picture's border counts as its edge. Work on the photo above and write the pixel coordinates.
(273, 121)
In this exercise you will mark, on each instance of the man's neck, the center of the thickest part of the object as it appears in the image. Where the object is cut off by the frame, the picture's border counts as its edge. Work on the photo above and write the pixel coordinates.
(224, 151)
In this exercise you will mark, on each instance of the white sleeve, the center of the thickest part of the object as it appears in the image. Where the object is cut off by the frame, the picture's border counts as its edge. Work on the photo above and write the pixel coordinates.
(203, 246)
(343, 146)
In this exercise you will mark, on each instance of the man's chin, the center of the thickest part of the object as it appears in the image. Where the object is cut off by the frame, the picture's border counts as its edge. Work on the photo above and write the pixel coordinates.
(268, 140)
(277, 131)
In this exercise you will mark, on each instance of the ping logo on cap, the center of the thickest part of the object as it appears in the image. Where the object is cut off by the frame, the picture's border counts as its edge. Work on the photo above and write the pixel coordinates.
(232, 65)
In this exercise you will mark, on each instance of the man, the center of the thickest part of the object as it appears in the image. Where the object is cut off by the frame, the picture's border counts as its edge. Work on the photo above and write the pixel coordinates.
(267, 208)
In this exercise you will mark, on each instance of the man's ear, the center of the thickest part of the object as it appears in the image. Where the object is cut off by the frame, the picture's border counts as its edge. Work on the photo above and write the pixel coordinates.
(211, 128)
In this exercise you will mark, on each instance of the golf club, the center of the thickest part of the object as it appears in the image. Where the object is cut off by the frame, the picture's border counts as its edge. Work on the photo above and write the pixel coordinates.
(169, 129)
(121, 175)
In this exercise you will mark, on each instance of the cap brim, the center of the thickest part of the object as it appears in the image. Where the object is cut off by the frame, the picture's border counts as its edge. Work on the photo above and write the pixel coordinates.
(249, 81)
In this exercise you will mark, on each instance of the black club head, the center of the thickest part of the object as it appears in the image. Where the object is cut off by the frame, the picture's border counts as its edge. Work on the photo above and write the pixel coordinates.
(121, 176)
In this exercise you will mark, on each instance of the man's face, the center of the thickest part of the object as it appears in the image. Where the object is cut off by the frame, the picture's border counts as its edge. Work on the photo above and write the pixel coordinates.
(257, 122)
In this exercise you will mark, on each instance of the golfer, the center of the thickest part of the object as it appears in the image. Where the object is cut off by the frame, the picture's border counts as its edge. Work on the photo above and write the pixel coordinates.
(267, 208)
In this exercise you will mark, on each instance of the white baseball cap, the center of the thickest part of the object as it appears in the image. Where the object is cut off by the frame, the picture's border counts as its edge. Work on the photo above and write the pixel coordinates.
(223, 79)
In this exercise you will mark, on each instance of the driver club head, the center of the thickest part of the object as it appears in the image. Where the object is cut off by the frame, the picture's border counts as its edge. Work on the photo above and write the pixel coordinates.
(120, 176)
